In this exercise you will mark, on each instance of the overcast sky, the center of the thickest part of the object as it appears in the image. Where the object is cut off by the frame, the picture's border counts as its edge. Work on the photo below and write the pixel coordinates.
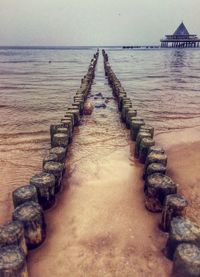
(94, 22)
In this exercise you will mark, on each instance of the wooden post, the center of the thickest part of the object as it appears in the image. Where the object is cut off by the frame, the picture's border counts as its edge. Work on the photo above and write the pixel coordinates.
(135, 127)
(145, 144)
(174, 205)
(12, 233)
(147, 128)
(140, 136)
(60, 152)
(12, 262)
(181, 230)
(186, 261)
(57, 170)
(45, 185)
(32, 218)
(24, 194)
(154, 157)
(158, 186)
(154, 168)
(60, 140)
(50, 158)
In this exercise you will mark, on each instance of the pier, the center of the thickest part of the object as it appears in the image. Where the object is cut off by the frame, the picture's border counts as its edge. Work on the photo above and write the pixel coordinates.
(180, 39)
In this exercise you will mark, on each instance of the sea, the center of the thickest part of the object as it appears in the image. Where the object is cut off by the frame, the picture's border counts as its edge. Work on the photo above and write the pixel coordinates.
(38, 83)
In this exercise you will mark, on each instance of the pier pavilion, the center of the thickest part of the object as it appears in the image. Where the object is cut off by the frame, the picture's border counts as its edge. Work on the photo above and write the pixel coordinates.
(180, 39)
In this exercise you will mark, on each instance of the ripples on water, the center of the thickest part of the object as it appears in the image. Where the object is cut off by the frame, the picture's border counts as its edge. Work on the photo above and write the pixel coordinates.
(164, 85)
(36, 86)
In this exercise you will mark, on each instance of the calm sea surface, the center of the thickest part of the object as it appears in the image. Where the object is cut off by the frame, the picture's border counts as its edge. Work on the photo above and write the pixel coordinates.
(36, 85)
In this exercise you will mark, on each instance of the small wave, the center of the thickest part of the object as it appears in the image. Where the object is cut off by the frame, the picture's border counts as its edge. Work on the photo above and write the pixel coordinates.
(18, 134)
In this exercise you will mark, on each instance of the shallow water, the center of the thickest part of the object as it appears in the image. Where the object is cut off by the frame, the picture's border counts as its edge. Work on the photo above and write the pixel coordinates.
(99, 226)
(164, 86)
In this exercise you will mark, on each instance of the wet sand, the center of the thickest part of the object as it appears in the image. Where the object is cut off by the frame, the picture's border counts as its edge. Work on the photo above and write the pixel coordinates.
(183, 150)
(100, 226)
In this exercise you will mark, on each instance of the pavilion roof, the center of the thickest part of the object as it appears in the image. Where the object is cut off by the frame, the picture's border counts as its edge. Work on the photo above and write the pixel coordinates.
(181, 31)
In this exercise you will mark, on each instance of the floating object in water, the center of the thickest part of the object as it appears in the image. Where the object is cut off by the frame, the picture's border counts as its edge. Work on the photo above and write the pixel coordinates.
(102, 105)
(88, 108)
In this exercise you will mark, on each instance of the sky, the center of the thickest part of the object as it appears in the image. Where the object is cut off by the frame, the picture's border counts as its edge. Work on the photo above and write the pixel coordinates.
(94, 22)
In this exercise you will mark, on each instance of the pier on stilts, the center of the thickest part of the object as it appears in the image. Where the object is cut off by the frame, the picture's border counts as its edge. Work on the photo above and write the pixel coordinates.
(180, 39)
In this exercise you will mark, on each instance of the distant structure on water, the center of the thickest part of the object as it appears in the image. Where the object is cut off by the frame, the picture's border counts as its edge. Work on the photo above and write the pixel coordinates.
(180, 39)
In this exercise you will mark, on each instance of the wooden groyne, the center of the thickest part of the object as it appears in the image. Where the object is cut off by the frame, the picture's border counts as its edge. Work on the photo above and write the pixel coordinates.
(27, 229)
(160, 191)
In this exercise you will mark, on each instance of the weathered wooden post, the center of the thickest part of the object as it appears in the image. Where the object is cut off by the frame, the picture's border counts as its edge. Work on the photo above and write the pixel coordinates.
(60, 140)
(154, 157)
(186, 261)
(76, 115)
(125, 108)
(158, 186)
(156, 149)
(154, 168)
(12, 233)
(130, 113)
(45, 185)
(12, 262)
(140, 136)
(24, 194)
(147, 128)
(135, 125)
(182, 230)
(145, 144)
(32, 218)
(174, 205)
(56, 169)
(60, 152)
(50, 158)
(53, 129)
(67, 123)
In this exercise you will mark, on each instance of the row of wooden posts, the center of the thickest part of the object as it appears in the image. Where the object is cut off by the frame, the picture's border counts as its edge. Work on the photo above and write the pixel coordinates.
(27, 230)
(160, 191)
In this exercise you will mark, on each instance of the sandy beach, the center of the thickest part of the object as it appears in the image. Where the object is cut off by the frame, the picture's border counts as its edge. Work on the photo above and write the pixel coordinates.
(183, 149)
